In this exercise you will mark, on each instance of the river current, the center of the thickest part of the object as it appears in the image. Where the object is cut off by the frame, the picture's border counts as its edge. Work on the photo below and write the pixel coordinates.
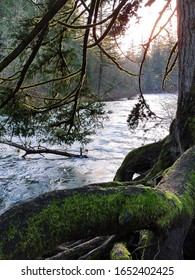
(22, 179)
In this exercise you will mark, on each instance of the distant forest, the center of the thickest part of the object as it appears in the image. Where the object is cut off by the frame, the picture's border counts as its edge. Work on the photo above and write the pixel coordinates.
(111, 83)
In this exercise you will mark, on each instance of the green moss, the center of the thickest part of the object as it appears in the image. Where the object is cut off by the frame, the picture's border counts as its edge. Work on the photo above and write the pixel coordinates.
(112, 184)
(188, 198)
(146, 238)
(191, 126)
(2, 255)
(192, 179)
(61, 219)
(12, 232)
(120, 252)
(100, 211)
(164, 173)
(153, 204)
(133, 161)
(115, 183)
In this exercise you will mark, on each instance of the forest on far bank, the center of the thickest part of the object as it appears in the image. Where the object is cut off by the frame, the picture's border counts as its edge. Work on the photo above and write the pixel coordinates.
(112, 84)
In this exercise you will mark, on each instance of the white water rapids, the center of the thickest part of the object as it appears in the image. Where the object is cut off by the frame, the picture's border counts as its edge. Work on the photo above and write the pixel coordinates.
(22, 179)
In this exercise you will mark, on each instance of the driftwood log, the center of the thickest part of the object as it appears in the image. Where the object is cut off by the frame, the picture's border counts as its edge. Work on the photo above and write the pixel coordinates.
(41, 150)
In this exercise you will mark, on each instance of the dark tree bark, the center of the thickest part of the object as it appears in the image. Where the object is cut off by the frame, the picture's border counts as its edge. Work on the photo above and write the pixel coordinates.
(185, 118)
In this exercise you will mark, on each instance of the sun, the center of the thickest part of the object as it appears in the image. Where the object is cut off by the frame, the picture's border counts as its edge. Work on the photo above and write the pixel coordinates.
(139, 32)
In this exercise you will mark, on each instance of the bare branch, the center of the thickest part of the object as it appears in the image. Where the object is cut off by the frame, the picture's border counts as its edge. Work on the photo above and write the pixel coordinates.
(145, 54)
(149, 3)
(169, 67)
(40, 150)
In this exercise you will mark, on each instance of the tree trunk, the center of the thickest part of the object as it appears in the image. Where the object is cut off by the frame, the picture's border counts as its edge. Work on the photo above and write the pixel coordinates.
(185, 117)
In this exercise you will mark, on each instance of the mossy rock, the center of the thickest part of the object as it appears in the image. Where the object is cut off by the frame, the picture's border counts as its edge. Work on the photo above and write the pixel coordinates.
(140, 161)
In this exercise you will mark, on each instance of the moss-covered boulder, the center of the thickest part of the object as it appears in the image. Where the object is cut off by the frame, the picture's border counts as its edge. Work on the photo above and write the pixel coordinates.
(139, 161)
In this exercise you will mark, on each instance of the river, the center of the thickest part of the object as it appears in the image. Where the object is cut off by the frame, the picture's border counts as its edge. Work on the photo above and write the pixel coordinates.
(22, 179)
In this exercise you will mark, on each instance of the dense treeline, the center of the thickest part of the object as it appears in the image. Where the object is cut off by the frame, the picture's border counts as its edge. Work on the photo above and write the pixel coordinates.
(116, 84)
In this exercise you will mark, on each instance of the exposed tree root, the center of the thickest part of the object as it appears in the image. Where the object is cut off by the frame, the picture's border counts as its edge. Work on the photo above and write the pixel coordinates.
(101, 251)
(139, 161)
(83, 249)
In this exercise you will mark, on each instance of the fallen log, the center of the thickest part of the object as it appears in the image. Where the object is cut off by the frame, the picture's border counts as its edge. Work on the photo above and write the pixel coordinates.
(40, 150)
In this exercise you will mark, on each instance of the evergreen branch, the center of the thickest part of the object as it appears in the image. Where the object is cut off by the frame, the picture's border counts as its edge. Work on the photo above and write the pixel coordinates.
(66, 100)
(113, 59)
(10, 78)
(69, 98)
(110, 57)
(76, 6)
(25, 68)
(31, 36)
(141, 109)
(51, 80)
(77, 17)
(162, 27)
(87, 26)
(106, 32)
(85, 6)
(84, 63)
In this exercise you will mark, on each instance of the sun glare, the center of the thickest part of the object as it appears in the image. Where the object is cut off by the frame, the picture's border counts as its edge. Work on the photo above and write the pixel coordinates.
(139, 33)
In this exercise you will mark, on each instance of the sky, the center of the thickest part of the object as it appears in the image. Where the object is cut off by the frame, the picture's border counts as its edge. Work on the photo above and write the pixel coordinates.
(139, 33)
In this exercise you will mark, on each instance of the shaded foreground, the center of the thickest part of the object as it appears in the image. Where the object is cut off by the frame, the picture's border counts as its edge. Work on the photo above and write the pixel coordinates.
(142, 220)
